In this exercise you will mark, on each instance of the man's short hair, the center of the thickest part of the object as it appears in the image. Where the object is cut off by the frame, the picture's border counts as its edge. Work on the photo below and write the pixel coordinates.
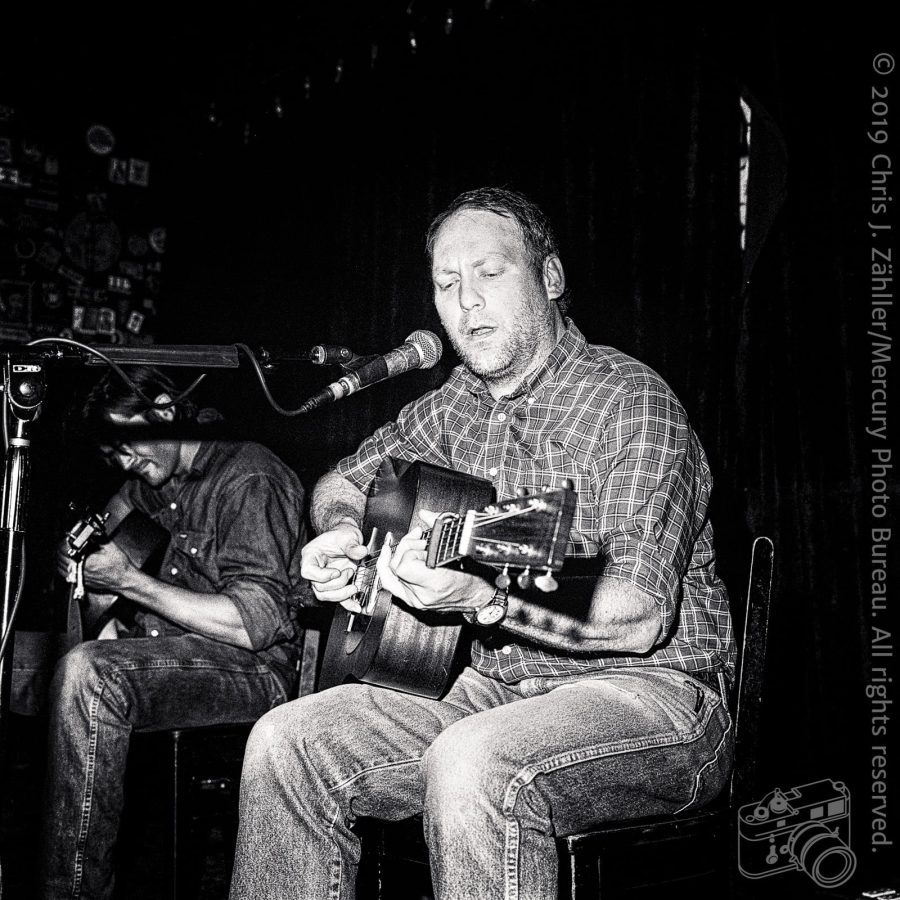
(537, 232)
(112, 394)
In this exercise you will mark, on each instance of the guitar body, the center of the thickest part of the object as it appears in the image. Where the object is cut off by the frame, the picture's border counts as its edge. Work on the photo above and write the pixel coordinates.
(390, 644)
(140, 538)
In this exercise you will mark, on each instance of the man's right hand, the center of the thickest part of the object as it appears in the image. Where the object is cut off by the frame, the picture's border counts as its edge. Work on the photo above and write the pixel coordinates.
(329, 563)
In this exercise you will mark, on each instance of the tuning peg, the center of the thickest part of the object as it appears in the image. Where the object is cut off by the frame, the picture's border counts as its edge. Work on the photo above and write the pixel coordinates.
(546, 582)
(568, 484)
(524, 580)
(502, 580)
(521, 492)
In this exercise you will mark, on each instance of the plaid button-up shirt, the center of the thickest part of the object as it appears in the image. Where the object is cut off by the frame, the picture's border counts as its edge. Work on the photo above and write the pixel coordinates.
(614, 427)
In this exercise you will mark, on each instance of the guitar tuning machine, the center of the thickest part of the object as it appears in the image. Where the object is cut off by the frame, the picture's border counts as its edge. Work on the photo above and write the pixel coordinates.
(502, 580)
(524, 580)
(546, 582)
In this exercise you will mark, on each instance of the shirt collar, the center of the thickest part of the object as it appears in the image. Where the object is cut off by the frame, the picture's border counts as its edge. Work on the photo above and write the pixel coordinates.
(571, 344)
(200, 462)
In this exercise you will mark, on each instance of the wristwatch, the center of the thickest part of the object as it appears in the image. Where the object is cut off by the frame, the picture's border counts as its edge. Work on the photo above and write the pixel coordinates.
(493, 612)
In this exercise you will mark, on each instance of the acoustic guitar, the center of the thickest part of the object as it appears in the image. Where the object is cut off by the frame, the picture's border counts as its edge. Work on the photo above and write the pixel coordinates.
(139, 537)
(392, 645)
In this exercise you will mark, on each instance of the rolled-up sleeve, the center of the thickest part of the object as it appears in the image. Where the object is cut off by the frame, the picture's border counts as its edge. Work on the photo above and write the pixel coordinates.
(261, 529)
(649, 495)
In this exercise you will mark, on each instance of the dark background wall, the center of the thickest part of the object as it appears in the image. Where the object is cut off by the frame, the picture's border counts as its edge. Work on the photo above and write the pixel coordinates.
(307, 227)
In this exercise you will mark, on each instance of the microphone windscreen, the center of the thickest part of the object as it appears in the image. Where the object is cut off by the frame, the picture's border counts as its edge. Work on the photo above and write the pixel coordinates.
(429, 346)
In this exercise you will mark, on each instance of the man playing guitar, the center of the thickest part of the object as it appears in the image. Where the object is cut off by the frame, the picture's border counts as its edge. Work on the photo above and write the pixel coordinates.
(577, 706)
(214, 639)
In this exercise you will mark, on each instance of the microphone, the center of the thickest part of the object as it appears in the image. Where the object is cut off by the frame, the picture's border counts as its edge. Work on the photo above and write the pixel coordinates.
(326, 354)
(421, 350)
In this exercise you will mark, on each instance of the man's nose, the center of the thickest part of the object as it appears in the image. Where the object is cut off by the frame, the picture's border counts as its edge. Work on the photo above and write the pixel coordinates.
(470, 296)
(125, 460)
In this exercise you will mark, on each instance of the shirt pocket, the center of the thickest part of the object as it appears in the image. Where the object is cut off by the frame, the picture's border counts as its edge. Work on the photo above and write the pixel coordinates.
(562, 464)
(193, 557)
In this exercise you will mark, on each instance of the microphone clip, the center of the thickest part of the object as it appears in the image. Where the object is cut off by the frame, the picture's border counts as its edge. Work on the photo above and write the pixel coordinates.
(357, 362)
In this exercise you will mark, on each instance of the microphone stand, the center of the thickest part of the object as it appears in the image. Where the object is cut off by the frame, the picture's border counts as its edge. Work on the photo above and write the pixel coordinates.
(24, 387)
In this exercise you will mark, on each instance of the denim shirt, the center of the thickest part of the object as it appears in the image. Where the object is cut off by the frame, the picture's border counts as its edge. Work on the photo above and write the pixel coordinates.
(236, 524)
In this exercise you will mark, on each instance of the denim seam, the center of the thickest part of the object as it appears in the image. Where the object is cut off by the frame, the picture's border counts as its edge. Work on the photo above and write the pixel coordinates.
(337, 868)
(511, 862)
(124, 666)
(389, 765)
(88, 795)
(726, 731)
(597, 751)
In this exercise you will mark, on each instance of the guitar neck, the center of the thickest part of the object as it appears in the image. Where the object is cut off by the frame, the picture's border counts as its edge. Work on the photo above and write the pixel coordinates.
(444, 541)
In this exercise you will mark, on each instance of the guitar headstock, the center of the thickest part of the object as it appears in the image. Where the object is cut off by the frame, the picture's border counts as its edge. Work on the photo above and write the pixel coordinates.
(86, 534)
(527, 533)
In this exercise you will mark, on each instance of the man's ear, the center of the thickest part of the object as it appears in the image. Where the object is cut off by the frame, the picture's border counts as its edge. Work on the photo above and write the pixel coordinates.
(554, 277)
(163, 413)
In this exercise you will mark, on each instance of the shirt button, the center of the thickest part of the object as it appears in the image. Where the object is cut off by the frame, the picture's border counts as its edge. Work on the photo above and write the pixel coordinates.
(530, 401)
(193, 551)
(506, 650)
(154, 632)
(173, 505)
(183, 535)
(493, 471)
(501, 417)
(173, 571)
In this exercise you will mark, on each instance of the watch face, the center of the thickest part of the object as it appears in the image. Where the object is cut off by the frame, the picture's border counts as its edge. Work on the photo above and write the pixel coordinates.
(490, 614)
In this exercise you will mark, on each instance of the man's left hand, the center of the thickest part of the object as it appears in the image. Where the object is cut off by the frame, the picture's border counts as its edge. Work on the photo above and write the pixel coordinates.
(107, 568)
(403, 572)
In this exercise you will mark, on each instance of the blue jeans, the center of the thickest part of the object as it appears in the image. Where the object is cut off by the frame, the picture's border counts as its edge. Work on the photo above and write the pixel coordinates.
(498, 772)
(101, 692)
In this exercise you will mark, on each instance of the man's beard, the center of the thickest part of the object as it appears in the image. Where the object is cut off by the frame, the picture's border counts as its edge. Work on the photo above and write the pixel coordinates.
(533, 324)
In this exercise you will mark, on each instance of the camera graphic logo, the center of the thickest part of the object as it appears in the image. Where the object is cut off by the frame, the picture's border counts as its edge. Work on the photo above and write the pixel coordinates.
(806, 828)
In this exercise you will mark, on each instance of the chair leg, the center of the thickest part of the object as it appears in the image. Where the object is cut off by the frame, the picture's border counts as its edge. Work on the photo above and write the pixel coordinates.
(177, 825)
(184, 846)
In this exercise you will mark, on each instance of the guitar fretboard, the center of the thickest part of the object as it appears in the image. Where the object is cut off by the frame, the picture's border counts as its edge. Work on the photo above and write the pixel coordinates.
(448, 539)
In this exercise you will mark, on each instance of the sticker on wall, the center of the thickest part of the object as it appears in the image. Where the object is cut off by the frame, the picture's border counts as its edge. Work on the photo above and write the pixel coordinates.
(71, 274)
(15, 301)
(138, 245)
(135, 322)
(51, 295)
(158, 240)
(119, 284)
(118, 170)
(93, 243)
(139, 172)
(9, 177)
(100, 140)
